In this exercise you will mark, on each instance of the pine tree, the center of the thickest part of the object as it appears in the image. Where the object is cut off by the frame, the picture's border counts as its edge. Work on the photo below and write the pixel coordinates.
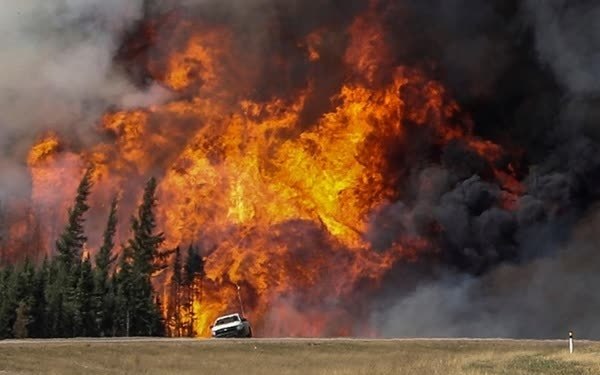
(145, 242)
(71, 241)
(85, 321)
(71, 325)
(103, 290)
(3, 299)
(193, 276)
(38, 325)
(124, 304)
(55, 297)
(176, 284)
(8, 301)
(113, 330)
(105, 258)
(194, 266)
(25, 298)
(25, 281)
(147, 257)
(16, 296)
(62, 290)
(158, 322)
(22, 321)
(66, 267)
(3, 234)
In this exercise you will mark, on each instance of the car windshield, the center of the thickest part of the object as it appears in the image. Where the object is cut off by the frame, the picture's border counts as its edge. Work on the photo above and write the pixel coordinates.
(227, 320)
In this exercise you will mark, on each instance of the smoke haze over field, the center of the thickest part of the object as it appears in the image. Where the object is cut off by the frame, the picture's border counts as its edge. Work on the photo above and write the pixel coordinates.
(469, 184)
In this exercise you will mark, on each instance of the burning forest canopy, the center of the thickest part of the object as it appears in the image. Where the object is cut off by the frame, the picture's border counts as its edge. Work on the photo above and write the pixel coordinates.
(367, 168)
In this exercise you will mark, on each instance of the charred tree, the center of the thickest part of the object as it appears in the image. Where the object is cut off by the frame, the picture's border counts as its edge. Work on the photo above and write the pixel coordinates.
(174, 318)
(193, 284)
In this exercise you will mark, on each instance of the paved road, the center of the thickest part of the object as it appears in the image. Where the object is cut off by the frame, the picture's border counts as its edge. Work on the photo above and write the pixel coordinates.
(122, 340)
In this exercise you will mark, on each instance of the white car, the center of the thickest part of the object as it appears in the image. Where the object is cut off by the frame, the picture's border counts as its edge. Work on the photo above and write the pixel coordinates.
(233, 325)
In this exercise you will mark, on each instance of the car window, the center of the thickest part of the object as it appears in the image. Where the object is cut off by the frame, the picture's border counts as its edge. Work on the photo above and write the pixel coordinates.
(229, 319)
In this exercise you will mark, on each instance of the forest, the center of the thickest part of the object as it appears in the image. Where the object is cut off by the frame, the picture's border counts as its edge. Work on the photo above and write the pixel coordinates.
(72, 294)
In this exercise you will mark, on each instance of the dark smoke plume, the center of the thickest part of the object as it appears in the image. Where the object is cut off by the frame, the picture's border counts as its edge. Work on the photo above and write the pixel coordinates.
(528, 73)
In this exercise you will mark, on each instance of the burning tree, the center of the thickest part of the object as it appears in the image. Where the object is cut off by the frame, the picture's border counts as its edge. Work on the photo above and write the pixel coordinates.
(185, 293)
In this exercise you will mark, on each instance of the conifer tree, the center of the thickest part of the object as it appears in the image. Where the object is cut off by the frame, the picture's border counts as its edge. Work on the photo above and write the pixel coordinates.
(3, 234)
(158, 322)
(25, 281)
(85, 320)
(194, 266)
(55, 299)
(103, 290)
(62, 286)
(71, 325)
(69, 296)
(193, 277)
(8, 301)
(38, 325)
(24, 294)
(147, 257)
(176, 286)
(124, 304)
(71, 241)
(113, 325)
(16, 298)
(22, 320)
(105, 258)
(145, 243)
(3, 299)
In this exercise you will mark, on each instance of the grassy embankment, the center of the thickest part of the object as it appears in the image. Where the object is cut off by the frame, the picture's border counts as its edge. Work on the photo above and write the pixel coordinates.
(328, 357)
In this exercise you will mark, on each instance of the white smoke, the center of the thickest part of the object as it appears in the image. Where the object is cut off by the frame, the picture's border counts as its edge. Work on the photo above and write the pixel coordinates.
(58, 72)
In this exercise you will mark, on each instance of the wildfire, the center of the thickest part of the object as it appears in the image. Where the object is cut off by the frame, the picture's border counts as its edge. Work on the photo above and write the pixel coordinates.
(44, 149)
(280, 210)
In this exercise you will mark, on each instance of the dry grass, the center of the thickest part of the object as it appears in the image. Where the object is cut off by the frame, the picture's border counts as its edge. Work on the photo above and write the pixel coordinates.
(331, 357)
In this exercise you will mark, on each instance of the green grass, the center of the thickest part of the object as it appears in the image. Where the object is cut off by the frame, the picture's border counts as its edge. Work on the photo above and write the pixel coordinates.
(331, 357)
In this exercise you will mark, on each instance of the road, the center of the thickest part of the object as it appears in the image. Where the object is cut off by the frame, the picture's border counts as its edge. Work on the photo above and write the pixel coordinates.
(124, 340)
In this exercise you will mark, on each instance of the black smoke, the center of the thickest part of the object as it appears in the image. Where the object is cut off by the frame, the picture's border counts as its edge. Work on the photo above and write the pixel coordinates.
(527, 73)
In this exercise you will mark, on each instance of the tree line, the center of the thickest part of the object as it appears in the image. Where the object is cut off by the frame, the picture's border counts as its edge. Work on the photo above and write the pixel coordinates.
(72, 295)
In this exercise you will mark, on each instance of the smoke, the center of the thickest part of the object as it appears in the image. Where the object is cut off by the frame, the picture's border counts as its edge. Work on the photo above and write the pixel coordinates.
(528, 272)
(58, 73)
(542, 298)
(568, 40)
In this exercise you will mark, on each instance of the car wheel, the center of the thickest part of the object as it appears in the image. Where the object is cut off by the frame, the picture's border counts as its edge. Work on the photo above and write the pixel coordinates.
(249, 333)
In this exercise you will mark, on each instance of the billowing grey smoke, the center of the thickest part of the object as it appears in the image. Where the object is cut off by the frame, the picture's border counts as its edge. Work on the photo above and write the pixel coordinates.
(57, 72)
(530, 272)
(567, 37)
(544, 298)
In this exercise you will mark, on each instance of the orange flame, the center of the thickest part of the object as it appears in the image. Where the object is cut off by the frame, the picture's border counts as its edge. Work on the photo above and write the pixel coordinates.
(282, 212)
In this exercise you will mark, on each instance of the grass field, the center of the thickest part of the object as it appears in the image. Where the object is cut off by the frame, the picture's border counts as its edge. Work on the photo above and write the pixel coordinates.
(299, 357)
